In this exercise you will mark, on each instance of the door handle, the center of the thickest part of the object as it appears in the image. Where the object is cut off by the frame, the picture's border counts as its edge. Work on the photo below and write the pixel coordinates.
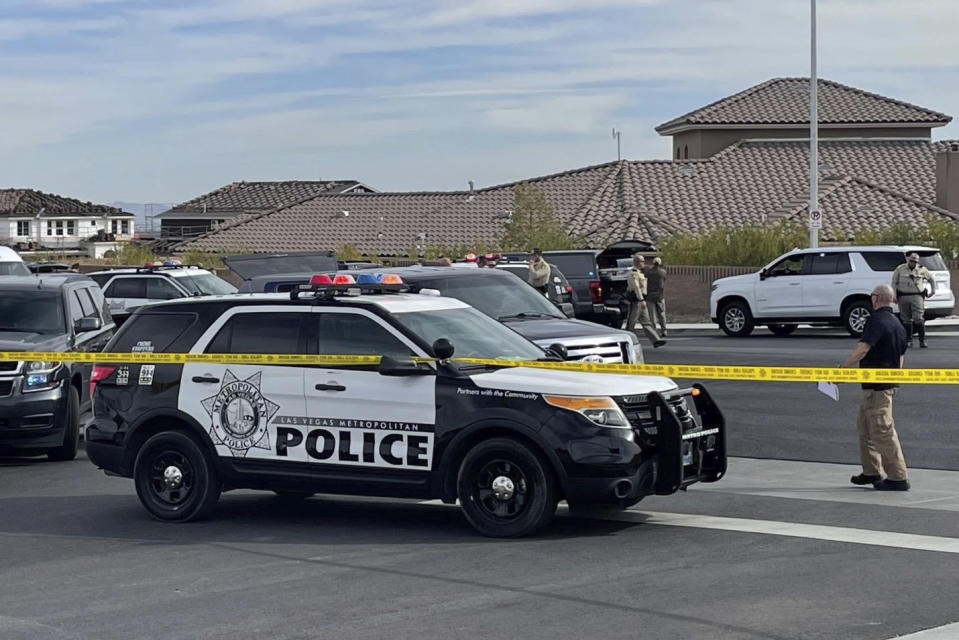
(330, 387)
(794, 284)
(839, 282)
(209, 379)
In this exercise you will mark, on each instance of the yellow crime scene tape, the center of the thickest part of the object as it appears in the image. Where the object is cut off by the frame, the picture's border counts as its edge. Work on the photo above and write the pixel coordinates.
(704, 372)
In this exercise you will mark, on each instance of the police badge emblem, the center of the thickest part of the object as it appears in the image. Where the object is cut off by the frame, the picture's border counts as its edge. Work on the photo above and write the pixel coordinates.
(239, 414)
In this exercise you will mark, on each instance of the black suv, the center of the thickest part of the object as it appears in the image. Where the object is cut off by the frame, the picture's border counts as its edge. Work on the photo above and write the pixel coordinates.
(508, 442)
(41, 403)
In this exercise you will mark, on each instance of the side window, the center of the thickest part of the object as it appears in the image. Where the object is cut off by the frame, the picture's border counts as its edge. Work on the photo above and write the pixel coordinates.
(89, 310)
(791, 266)
(824, 263)
(99, 303)
(162, 289)
(353, 334)
(842, 263)
(101, 278)
(152, 331)
(883, 260)
(76, 309)
(127, 288)
(268, 332)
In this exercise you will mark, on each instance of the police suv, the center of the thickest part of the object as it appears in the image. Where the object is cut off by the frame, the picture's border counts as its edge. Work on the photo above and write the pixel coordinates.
(507, 441)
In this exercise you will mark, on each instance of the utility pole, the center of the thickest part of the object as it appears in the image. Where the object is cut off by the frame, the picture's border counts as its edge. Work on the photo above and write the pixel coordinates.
(815, 216)
(616, 136)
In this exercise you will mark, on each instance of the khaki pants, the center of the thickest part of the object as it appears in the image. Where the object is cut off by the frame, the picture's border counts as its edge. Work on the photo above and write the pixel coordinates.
(878, 442)
(639, 312)
(657, 312)
(911, 308)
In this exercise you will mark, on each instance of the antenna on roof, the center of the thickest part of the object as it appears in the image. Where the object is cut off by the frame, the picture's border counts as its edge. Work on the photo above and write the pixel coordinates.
(616, 136)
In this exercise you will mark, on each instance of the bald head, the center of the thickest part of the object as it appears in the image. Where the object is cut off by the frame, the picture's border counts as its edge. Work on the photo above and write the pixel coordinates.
(883, 296)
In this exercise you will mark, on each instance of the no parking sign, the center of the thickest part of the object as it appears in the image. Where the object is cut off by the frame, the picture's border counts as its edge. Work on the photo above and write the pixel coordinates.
(815, 219)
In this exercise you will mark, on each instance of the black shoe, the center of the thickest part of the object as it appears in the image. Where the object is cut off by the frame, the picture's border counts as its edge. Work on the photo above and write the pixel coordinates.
(864, 479)
(891, 485)
(909, 343)
(663, 333)
(922, 344)
(659, 343)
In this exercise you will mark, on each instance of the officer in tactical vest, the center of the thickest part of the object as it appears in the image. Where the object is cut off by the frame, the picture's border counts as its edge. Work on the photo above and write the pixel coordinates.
(636, 290)
(913, 284)
(538, 271)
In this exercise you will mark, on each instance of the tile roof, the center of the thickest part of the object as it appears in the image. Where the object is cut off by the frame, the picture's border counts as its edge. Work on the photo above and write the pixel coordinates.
(28, 202)
(867, 183)
(240, 197)
(786, 101)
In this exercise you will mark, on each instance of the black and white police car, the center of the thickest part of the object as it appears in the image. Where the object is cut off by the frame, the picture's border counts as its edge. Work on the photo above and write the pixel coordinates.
(508, 442)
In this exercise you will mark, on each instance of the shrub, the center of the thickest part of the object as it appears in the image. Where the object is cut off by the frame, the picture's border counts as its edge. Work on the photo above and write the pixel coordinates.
(733, 246)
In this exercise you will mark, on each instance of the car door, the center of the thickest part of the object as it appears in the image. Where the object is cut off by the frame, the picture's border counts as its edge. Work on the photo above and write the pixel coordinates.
(825, 281)
(779, 293)
(240, 405)
(359, 417)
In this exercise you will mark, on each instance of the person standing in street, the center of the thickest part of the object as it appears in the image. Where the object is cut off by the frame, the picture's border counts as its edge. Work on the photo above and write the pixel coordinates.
(538, 272)
(656, 295)
(636, 295)
(882, 346)
(913, 284)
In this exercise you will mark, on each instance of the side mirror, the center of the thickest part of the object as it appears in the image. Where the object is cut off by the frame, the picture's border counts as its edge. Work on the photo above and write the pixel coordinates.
(762, 274)
(84, 325)
(443, 349)
(559, 350)
(392, 367)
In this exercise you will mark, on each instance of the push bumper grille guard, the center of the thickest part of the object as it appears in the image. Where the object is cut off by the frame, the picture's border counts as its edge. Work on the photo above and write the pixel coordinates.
(704, 463)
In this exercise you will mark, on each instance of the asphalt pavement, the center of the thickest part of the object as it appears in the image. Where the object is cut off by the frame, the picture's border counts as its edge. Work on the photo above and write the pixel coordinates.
(781, 548)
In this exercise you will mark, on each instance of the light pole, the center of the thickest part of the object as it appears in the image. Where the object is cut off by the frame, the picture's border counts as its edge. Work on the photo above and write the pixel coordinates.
(616, 136)
(815, 216)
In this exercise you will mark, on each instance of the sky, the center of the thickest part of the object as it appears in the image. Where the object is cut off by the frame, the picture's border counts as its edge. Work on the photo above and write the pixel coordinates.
(148, 101)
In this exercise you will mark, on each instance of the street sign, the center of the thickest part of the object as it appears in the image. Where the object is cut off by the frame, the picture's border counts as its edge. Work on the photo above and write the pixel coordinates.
(815, 219)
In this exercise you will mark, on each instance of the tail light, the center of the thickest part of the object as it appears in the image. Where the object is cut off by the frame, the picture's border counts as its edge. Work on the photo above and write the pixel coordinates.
(569, 288)
(595, 291)
(100, 372)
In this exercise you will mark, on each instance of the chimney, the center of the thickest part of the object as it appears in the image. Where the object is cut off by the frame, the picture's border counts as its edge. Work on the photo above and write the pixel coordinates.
(947, 178)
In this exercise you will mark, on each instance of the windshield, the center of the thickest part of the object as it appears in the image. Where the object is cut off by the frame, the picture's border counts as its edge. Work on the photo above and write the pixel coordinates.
(497, 297)
(473, 334)
(31, 312)
(13, 269)
(207, 285)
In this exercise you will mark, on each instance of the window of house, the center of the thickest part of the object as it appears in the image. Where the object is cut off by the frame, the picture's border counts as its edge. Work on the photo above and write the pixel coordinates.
(49, 227)
(124, 227)
(23, 228)
(58, 225)
(71, 227)
(114, 226)
(677, 153)
(685, 152)
(275, 332)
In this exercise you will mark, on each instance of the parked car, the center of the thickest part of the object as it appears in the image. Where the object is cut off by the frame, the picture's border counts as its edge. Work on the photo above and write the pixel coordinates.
(11, 264)
(502, 296)
(47, 267)
(558, 291)
(129, 289)
(42, 403)
(507, 442)
(828, 285)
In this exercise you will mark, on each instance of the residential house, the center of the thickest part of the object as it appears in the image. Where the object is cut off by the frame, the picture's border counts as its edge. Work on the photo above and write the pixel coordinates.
(743, 161)
(237, 199)
(31, 219)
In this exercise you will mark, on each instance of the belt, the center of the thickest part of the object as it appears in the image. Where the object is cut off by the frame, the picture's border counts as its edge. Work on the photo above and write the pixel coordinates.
(900, 294)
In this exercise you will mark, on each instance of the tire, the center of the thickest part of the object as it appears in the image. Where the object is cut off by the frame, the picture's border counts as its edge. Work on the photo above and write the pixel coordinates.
(71, 432)
(516, 471)
(782, 329)
(175, 479)
(735, 319)
(854, 316)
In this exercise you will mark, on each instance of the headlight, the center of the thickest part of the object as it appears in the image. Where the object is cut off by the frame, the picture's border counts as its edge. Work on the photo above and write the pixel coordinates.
(598, 410)
(39, 375)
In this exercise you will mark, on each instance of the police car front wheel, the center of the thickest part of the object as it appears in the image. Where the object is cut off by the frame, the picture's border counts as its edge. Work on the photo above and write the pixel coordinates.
(506, 490)
(175, 480)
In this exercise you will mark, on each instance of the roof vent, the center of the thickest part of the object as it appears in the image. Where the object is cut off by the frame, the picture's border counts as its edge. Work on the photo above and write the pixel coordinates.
(686, 170)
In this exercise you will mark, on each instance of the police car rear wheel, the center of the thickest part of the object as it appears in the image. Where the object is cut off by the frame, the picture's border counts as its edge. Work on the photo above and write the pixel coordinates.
(175, 480)
(505, 489)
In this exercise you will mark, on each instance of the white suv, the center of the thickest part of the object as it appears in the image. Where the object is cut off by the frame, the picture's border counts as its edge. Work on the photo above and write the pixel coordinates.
(828, 285)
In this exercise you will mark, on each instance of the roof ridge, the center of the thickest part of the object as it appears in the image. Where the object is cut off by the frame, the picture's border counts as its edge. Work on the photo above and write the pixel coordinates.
(734, 97)
(901, 103)
(548, 176)
(905, 196)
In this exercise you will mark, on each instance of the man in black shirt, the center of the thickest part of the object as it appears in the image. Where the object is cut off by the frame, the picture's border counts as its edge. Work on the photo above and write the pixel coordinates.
(882, 346)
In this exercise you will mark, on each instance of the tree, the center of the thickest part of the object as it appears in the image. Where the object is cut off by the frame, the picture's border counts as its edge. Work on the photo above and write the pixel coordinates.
(533, 223)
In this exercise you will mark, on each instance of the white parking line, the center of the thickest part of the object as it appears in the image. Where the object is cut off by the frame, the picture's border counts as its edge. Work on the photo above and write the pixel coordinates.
(849, 535)
(946, 632)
